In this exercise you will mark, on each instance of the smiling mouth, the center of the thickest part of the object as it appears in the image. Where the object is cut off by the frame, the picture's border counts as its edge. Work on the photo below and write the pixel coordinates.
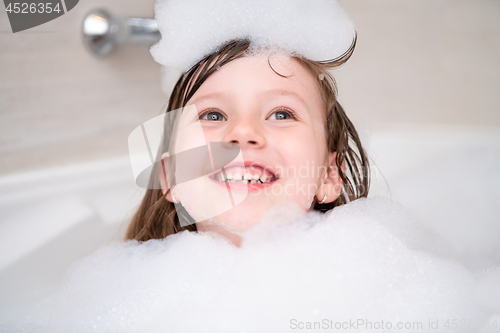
(244, 175)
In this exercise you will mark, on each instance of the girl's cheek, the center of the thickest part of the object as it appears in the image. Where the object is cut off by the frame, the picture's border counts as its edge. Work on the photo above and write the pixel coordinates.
(319, 129)
(321, 138)
(212, 133)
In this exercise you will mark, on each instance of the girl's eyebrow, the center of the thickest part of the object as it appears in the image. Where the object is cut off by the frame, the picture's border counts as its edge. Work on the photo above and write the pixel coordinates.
(267, 93)
(214, 95)
(284, 92)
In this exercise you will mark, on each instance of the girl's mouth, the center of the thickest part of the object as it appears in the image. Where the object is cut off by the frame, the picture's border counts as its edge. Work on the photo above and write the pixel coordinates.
(252, 174)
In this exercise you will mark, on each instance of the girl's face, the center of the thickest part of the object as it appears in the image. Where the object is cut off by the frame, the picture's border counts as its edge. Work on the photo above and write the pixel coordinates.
(278, 123)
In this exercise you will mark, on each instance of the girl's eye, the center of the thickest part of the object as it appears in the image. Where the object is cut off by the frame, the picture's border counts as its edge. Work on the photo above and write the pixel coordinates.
(213, 116)
(282, 114)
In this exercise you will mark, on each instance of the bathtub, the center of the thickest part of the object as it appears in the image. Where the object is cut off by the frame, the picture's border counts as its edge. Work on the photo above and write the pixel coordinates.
(448, 176)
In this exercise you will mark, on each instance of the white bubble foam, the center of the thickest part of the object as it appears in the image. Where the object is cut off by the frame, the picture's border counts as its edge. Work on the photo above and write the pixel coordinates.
(191, 29)
(366, 260)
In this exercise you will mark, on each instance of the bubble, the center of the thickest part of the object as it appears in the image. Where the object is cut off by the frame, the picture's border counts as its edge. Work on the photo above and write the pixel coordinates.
(191, 29)
(367, 260)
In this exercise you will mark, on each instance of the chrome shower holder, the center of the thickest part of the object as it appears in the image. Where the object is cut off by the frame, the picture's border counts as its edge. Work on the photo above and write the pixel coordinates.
(102, 32)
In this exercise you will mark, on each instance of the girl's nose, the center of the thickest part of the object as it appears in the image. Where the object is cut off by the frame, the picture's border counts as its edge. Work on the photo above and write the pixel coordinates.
(246, 133)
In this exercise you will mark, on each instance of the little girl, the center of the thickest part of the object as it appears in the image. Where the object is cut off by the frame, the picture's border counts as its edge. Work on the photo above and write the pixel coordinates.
(280, 109)
(253, 126)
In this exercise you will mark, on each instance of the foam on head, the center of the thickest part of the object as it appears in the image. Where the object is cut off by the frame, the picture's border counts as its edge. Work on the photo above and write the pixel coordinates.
(191, 29)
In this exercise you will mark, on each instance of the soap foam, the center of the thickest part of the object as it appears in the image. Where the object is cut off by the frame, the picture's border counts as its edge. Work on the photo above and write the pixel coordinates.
(191, 29)
(366, 260)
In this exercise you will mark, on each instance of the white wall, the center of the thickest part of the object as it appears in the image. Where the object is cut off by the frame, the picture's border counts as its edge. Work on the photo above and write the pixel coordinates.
(424, 61)
(59, 104)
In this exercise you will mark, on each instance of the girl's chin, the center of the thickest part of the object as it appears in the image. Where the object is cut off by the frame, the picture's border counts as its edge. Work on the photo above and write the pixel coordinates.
(237, 220)
(248, 214)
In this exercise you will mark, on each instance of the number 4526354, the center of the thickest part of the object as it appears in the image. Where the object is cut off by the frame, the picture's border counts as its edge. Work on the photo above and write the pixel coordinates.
(27, 8)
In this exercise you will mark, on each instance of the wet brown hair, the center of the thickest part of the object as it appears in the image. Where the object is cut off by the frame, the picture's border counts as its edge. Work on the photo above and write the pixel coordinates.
(157, 217)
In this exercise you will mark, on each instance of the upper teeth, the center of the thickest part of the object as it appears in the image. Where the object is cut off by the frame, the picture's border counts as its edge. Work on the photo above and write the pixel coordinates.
(246, 177)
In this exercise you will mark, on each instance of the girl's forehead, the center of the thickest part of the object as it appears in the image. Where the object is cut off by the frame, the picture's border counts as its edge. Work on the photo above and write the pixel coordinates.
(260, 73)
